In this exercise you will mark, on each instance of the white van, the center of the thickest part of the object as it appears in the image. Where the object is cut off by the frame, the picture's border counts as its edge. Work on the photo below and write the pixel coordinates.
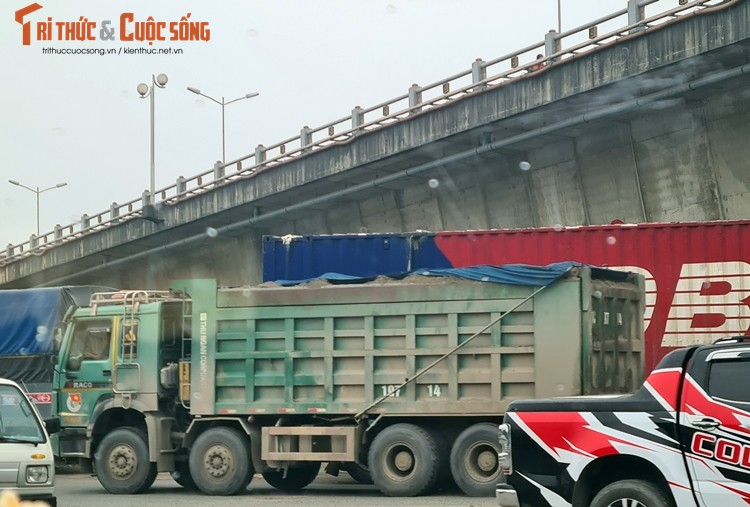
(27, 465)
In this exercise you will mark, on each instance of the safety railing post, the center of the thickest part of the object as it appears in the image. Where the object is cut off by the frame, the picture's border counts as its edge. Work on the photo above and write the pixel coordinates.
(114, 212)
(478, 74)
(260, 156)
(358, 118)
(305, 138)
(415, 98)
(180, 185)
(636, 14)
(551, 43)
(219, 170)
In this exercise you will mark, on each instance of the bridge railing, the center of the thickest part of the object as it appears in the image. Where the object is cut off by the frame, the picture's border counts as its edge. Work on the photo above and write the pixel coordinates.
(555, 48)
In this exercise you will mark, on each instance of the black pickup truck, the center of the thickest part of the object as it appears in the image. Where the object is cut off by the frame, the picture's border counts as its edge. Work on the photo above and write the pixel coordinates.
(683, 439)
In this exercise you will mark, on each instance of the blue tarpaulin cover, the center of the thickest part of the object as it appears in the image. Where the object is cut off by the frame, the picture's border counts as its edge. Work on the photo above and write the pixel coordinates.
(515, 274)
(28, 317)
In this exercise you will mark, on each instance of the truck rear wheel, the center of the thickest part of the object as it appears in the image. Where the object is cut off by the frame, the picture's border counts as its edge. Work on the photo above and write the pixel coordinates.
(220, 462)
(122, 464)
(633, 493)
(474, 462)
(292, 479)
(404, 460)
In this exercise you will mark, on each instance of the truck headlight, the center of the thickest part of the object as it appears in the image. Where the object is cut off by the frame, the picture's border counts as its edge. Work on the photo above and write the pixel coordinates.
(504, 455)
(38, 474)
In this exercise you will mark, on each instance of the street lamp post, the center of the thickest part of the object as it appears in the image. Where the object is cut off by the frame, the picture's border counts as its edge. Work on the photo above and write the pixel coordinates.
(145, 91)
(222, 104)
(37, 192)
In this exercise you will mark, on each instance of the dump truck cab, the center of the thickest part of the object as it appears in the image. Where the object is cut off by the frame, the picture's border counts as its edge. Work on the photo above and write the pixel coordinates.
(107, 361)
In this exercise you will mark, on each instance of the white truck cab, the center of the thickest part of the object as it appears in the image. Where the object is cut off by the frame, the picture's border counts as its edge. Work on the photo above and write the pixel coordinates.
(27, 465)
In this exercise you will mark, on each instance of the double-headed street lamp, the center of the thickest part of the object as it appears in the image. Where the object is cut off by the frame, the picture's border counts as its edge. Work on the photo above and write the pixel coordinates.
(37, 192)
(145, 91)
(222, 104)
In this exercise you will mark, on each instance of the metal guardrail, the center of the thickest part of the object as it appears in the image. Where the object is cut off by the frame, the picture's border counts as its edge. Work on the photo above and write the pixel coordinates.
(555, 48)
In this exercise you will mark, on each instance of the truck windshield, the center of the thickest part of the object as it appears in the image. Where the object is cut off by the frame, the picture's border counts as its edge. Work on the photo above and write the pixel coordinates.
(18, 421)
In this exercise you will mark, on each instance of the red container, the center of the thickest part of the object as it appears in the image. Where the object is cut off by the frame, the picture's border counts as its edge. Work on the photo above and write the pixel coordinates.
(697, 274)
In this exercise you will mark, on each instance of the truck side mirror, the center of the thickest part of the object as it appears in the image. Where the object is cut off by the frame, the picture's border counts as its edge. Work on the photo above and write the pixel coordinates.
(52, 424)
(74, 363)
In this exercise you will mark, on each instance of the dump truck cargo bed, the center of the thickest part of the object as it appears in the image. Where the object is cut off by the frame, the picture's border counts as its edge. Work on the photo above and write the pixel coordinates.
(323, 348)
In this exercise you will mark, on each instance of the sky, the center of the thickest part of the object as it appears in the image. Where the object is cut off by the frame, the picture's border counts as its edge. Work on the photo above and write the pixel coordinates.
(78, 119)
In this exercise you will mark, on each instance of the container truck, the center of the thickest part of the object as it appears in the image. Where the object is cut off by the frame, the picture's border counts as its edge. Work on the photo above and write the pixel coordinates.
(697, 273)
(30, 321)
(401, 381)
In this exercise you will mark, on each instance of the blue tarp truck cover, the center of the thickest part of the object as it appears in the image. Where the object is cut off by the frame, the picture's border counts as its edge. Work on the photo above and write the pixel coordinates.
(29, 321)
(515, 274)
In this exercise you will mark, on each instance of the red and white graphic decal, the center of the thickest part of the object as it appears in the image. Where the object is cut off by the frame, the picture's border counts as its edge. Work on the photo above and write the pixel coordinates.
(40, 397)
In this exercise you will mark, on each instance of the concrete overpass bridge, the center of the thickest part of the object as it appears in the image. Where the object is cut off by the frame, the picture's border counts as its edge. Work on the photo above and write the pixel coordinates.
(639, 116)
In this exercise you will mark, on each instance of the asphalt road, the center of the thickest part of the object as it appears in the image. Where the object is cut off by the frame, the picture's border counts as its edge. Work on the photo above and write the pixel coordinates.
(85, 491)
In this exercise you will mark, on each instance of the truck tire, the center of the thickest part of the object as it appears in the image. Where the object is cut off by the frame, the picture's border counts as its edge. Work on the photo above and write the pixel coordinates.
(181, 475)
(293, 479)
(357, 472)
(474, 462)
(634, 493)
(220, 462)
(404, 460)
(122, 464)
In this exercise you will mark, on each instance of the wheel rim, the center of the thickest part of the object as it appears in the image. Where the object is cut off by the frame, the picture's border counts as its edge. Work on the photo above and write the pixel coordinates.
(481, 462)
(626, 502)
(217, 460)
(123, 461)
(400, 462)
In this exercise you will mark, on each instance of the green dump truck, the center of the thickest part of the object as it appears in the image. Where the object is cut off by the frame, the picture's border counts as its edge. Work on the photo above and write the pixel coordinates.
(401, 382)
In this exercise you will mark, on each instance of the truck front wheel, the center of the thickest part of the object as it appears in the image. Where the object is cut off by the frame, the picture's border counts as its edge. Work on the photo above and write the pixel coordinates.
(293, 479)
(220, 462)
(404, 460)
(474, 462)
(122, 464)
(633, 493)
